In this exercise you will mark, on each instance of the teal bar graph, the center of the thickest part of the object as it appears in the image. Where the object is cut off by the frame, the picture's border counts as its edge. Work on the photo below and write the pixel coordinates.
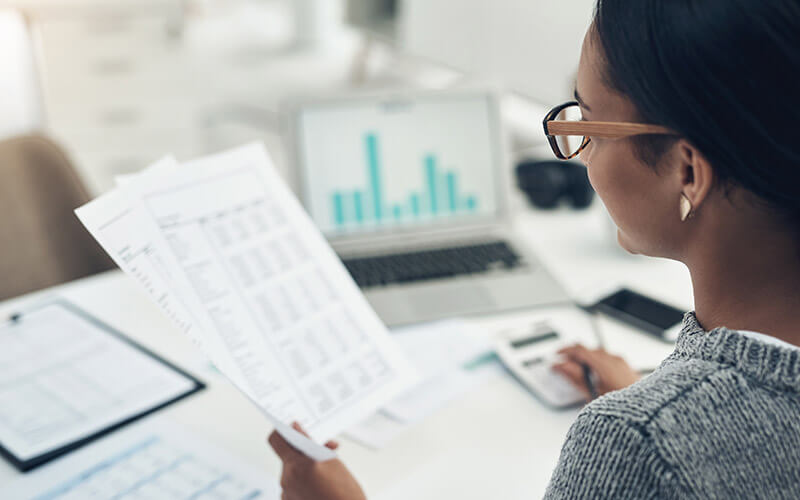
(338, 208)
(430, 174)
(450, 180)
(374, 175)
(438, 195)
(358, 201)
(414, 200)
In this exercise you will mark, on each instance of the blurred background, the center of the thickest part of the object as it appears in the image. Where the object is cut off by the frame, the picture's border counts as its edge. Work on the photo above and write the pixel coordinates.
(119, 83)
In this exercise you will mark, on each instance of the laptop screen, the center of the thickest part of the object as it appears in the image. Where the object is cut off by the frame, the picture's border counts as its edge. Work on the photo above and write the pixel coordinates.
(381, 165)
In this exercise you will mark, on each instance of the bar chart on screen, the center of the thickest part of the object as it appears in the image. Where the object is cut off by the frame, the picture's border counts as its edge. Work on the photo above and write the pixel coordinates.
(379, 164)
(440, 194)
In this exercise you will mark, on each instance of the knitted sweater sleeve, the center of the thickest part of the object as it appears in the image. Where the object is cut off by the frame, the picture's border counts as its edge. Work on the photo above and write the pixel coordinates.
(607, 457)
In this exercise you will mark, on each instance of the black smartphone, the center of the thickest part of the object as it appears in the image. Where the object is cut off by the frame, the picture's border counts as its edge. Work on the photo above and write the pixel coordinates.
(645, 313)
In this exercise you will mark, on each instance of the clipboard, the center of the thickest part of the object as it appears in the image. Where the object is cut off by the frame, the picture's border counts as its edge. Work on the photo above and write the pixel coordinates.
(75, 345)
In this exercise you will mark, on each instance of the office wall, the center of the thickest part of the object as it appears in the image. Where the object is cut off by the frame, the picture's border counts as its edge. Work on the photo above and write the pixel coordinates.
(530, 45)
(19, 87)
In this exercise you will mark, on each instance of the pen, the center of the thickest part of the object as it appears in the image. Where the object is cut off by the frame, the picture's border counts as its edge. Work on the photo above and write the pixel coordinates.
(587, 377)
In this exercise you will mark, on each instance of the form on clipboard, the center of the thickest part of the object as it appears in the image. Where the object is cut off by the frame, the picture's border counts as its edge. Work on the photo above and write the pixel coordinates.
(67, 379)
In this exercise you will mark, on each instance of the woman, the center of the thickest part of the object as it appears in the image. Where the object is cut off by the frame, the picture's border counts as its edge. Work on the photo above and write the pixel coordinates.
(712, 180)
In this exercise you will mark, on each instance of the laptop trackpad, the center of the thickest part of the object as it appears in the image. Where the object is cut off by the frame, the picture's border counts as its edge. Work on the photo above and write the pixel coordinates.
(468, 298)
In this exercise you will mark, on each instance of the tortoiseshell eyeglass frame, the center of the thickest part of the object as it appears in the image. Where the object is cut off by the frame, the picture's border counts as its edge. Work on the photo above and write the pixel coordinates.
(588, 129)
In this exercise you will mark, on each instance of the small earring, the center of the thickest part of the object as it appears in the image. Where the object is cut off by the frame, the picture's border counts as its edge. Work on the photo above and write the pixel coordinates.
(686, 207)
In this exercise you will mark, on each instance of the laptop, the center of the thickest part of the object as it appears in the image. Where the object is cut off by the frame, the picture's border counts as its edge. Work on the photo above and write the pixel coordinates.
(412, 191)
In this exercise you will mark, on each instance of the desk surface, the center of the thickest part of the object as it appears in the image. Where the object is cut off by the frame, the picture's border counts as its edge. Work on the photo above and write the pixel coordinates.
(495, 442)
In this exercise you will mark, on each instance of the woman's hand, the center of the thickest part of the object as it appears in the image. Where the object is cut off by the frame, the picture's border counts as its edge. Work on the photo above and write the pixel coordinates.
(610, 372)
(304, 479)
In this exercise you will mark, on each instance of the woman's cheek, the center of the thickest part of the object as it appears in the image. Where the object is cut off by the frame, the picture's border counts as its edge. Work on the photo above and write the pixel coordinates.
(598, 174)
(610, 192)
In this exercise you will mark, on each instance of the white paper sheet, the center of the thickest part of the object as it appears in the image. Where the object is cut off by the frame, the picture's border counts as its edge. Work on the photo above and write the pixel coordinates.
(438, 351)
(290, 328)
(377, 430)
(134, 242)
(383, 427)
(152, 460)
(441, 346)
(130, 240)
(62, 378)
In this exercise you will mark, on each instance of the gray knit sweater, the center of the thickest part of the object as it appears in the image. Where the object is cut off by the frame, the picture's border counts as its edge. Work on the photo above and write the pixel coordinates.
(720, 418)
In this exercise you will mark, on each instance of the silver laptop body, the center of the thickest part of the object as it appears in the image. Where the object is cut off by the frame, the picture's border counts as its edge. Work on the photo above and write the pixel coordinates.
(526, 284)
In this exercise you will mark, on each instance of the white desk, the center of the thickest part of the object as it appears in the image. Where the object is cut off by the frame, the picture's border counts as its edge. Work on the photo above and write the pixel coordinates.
(495, 442)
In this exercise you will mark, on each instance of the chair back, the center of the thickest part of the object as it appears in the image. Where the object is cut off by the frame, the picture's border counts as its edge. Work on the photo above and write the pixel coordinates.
(43, 242)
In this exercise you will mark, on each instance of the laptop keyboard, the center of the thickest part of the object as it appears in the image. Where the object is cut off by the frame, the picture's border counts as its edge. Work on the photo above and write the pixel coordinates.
(431, 264)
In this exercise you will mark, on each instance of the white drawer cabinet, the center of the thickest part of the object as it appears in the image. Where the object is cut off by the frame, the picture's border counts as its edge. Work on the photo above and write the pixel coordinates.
(118, 93)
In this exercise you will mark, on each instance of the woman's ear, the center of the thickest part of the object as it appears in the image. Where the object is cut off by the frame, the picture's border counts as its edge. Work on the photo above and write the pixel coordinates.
(695, 174)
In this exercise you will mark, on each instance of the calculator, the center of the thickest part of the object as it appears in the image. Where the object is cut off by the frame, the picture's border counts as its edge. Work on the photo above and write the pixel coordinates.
(530, 348)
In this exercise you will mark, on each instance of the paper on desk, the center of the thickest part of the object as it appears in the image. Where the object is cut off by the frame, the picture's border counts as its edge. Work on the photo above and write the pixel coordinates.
(382, 427)
(377, 430)
(435, 393)
(292, 330)
(153, 459)
(438, 351)
(440, 346)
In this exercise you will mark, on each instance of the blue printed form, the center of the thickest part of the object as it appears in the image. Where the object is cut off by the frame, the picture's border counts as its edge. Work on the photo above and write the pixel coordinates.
(152, 460)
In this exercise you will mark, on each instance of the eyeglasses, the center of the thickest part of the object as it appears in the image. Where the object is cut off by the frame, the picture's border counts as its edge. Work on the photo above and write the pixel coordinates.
(568, 134)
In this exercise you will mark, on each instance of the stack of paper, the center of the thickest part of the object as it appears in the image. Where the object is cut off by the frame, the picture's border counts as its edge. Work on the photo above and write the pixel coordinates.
(226, 250)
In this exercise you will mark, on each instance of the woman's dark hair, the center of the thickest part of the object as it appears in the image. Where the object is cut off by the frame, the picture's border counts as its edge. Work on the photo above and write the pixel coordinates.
(725, 74)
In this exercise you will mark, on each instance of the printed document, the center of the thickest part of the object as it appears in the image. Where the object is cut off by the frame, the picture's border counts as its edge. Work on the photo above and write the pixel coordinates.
(246, 274)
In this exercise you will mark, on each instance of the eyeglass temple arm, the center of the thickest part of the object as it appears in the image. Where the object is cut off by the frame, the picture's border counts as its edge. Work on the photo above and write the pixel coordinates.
(605, 130)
